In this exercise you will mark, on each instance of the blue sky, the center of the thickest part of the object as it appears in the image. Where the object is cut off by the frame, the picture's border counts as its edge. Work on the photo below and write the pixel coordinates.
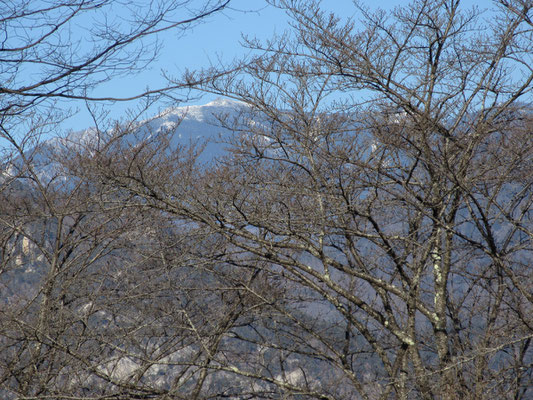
(218, 37)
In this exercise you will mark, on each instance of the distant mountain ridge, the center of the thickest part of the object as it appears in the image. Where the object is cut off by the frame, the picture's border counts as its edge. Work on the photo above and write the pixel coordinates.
(190, 124)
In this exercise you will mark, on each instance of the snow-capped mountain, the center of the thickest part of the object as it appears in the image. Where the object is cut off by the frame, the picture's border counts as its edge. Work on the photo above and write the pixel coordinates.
(196, 124)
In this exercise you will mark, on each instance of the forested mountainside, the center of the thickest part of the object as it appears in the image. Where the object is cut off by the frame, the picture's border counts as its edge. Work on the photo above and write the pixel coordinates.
(352, 219)
(136, 265)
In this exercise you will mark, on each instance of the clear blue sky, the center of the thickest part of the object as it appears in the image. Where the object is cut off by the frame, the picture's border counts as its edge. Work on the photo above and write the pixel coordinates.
(219, 36)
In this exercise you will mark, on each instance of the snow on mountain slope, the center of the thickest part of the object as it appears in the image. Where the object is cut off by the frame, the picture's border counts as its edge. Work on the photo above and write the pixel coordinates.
(188, 124)
(197, 123)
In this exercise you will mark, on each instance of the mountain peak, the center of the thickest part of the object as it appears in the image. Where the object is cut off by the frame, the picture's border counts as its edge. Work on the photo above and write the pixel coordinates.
(201, 113)
(223, 102)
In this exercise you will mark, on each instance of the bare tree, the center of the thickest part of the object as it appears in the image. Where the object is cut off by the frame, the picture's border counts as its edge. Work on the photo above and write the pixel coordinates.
(59, 52)
(68, 47)
(369, 235)
(381, 178)
(104, 297)
(74, 320)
